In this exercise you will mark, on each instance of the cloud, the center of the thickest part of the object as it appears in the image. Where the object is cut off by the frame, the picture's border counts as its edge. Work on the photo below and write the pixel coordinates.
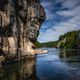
(62, 16)
(71, 4)
(53, 33)
(73, 12)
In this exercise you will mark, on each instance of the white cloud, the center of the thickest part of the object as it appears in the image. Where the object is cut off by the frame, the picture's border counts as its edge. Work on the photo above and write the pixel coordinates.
(70, 3)
(49, 15)
(61, 28)
(73, 12)
(46, 3)
(48, 6)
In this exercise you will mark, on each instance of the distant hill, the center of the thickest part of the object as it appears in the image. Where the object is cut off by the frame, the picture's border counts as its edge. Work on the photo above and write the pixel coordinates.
(46, 44)
(69, 40)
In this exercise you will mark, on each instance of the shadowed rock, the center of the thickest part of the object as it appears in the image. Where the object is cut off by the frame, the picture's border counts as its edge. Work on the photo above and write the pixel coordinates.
(20, 21)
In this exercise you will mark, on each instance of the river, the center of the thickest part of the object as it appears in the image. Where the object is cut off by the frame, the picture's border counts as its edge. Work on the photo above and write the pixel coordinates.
(55, 65)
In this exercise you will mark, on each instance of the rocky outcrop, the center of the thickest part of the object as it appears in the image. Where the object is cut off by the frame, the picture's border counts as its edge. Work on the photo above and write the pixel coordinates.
(20, 21)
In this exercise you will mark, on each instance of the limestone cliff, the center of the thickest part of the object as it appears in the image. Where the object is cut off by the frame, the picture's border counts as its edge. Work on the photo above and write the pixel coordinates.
(20, 21)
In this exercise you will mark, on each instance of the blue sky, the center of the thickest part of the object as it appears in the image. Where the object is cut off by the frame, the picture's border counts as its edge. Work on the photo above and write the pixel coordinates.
(62, 16)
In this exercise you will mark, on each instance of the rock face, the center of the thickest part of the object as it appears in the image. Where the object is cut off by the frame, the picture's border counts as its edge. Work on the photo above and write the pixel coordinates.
(20, 21)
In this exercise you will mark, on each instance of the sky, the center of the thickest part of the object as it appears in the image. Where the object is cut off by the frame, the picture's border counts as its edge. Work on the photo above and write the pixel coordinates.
(62, 16)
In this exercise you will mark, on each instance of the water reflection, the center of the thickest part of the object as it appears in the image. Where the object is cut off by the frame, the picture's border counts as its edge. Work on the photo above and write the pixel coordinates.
(55, 65)
(24, 70)
(58, 65)
(70, 54)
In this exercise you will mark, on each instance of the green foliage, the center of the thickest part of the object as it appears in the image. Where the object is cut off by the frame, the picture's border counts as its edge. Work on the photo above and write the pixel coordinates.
(47, 44)
(69, 40)
(72, 40)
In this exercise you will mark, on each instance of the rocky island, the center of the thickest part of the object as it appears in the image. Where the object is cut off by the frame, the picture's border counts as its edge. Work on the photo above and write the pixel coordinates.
(20, 21)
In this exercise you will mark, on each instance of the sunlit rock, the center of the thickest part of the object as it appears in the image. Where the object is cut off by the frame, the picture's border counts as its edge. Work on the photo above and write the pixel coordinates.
(20, 21)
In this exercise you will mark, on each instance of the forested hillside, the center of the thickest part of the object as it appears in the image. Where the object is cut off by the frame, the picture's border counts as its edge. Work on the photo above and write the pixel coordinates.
(69, 40)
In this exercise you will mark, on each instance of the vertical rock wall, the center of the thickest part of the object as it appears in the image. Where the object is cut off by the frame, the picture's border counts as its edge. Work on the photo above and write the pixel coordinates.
(20, 21)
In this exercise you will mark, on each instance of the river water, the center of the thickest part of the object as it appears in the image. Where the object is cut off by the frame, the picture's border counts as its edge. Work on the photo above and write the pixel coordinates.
(55, 65)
